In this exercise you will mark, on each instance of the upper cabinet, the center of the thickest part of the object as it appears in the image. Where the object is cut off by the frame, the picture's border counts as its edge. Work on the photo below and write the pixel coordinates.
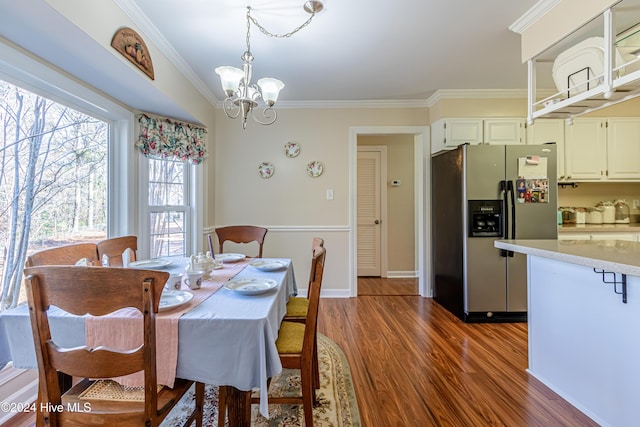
(623, 148)
(603, 149)
(504, 131)
(586, 150)
(447, 134)
(549, 130)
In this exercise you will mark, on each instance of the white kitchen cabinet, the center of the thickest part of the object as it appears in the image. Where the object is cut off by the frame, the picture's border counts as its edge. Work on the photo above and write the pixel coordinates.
(603, 149)
(549, 130)
(504, 131)
(632, 237)
(599, 235)
(623, 148)
(574, 236)
(447, 134)
(585, 149)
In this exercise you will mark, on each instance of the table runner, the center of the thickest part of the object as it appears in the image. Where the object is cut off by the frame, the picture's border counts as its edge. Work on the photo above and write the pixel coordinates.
(116, 331)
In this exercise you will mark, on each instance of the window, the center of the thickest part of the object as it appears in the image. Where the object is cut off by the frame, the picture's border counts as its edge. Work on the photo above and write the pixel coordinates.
(168, 207)
(53, 180)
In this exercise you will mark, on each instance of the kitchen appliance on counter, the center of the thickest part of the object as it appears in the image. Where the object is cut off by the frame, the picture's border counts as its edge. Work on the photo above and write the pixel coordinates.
(481, 193)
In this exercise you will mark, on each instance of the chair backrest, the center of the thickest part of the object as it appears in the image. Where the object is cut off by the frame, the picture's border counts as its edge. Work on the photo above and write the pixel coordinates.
(103, 291)
(64, 255)
(318, 242)
(242, 234)
(314, 302)
(113, 249)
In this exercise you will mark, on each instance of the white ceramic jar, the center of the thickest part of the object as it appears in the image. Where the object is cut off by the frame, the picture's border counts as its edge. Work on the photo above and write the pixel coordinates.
(609, 215)
(594, 216)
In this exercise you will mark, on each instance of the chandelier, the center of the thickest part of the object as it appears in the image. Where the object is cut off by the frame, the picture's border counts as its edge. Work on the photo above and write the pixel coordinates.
(242, 96)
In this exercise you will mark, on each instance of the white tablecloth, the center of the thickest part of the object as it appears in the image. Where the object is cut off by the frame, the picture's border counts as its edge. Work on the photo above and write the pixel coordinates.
(229, 339)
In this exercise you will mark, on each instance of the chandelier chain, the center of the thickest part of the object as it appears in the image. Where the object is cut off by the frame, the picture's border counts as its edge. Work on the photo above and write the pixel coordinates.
(270, 34)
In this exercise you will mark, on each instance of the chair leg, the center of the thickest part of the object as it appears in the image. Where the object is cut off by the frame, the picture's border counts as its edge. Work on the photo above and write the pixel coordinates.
(222, 405)
(316, 365)
(308, 395)
(199, 403)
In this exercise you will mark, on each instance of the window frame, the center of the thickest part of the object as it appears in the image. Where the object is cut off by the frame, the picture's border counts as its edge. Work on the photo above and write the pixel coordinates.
(191, 209)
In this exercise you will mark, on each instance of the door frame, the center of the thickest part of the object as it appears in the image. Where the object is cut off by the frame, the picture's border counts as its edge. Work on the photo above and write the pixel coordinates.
(422, 163)
(383, 205)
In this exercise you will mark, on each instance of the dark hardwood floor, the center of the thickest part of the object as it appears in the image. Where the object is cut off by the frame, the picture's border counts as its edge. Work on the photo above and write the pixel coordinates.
(415, 364)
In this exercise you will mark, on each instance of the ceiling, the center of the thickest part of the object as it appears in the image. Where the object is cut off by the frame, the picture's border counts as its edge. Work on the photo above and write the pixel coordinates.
(387, 50)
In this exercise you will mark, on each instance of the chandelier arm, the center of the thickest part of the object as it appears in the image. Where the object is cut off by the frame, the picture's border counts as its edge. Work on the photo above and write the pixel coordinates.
(280, 36)
(229, 107)
(268, 113)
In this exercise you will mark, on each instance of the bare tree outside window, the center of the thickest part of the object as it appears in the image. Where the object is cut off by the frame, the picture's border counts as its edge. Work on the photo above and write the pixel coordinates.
(167, 207)
(53, 181)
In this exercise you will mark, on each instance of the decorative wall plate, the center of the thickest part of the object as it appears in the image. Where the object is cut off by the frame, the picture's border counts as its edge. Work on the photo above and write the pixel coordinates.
(291, 149)
(266, 170)
(314, 169)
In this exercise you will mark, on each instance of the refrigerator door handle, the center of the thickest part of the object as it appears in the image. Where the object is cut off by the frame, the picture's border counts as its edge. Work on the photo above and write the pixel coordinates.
(510, 190)
(505, 215)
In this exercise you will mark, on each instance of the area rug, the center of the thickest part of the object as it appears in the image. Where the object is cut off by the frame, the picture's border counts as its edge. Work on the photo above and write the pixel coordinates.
(337, 405)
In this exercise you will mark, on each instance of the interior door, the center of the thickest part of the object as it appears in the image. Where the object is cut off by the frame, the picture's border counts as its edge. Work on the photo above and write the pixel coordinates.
(369, 213)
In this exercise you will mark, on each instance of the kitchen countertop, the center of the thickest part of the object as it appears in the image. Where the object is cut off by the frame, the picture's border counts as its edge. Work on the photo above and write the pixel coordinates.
(617, 256)
(568, 228)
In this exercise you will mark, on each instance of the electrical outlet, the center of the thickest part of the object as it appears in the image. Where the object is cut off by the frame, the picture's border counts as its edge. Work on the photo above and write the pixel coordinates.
(636, 204)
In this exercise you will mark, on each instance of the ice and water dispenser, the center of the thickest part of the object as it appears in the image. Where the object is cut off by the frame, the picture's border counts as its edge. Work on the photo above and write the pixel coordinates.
(485, 218)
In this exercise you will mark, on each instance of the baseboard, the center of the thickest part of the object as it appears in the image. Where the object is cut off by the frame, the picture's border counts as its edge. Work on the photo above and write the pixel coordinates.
(402, 274)
(328, 293)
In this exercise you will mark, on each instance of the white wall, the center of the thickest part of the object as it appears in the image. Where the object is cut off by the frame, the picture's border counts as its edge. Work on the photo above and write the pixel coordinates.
(291, 204)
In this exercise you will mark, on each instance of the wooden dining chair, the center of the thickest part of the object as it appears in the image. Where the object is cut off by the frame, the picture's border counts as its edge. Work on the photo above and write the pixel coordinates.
(110, 250)
(297, 307)
(296, 344)
(104, 291)
(241, 234)
(64, 255)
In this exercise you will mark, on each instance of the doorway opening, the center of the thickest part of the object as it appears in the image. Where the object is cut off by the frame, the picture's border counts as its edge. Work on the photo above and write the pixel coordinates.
(411, 263)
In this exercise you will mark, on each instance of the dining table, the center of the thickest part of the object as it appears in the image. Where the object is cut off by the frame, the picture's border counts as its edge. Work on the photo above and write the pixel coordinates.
(227, 339)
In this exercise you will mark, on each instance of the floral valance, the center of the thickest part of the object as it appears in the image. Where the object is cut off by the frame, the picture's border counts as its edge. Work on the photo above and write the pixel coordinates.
(169, 139)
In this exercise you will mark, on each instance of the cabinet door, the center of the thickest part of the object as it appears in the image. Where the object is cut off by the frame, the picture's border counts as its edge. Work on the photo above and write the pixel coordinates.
(549, 130)
(574, 236)
(623, 149)
(503, 131)
(585, 150)
(461, 131)
(438, 136)
(614, 236)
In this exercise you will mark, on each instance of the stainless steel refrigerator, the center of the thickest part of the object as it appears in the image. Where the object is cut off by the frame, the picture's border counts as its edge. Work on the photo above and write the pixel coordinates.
(481, 193)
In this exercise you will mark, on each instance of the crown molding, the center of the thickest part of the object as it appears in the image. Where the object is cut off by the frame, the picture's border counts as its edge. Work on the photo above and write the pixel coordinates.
(155, 36)
(412, 103)
(399, 103)
(475, 94)
(532, 15)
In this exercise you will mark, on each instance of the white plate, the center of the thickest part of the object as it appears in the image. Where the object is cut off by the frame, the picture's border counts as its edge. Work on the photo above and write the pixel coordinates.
(230, 257)
(171, 298)
(251, 286)
(268, 265)
(150, 264)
